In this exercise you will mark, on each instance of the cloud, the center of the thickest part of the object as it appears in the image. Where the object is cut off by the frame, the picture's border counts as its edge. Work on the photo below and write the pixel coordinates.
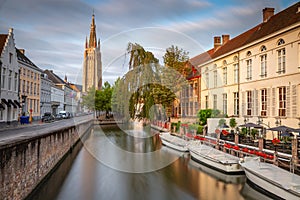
(53, 32)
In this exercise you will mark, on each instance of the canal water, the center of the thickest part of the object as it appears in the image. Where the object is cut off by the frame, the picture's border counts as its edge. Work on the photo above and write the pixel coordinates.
(129, 162)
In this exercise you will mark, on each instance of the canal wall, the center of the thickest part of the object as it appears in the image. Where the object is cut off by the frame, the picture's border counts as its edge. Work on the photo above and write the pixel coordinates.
(24, 163)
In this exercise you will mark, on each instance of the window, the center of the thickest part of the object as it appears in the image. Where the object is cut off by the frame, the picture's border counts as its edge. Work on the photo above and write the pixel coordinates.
(236, 73)
(249, 53)
(215, 78)
(225, 75)
(249, 69)
(196, 89)
(24, 86)
(28, 86)
(207, 79)
(3, 77)
(263, 48)
(249, 102)
(281, 61)
(34, 89)
(215, 101)
(191, 108)
(282, 101)
(280, 42)
(236, 103)
(191, 89)
(16, 82)
(10, 58)
(263, 65)
(31, 88)
(206, 102)
(263, 111)
(9, 79)
(224, 103)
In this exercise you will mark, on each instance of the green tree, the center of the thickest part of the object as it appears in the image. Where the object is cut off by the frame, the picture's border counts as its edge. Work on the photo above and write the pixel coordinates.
(89, 99)
(176, 58)
(204, 114)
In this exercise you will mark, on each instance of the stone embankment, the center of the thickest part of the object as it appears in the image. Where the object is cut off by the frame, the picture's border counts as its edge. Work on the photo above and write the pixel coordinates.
(25, 162)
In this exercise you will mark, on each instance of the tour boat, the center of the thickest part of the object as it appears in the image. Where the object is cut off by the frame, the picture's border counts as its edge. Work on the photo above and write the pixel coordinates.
(174, 142)
(271, 178)
(216, 159)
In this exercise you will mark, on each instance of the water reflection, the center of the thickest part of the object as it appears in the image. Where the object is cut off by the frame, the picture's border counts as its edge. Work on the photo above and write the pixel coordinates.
(90, 179)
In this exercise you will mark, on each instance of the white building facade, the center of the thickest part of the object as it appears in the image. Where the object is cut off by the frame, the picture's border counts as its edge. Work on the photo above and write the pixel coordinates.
(46, 85)
(9, 108)
(57, 99)
(255, 77)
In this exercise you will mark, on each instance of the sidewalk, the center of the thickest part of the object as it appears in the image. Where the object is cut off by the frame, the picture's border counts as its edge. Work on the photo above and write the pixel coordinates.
(20, 126)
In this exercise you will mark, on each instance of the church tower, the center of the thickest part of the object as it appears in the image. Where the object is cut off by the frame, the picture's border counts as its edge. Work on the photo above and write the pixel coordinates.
(92, 65)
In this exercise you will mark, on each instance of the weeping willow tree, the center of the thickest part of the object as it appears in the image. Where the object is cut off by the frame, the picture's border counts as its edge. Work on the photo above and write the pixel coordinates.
(146, 87)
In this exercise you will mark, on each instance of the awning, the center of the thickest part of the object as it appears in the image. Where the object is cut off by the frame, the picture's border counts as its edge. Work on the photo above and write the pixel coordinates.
(12, 103)
(4, 101)
(18, 104)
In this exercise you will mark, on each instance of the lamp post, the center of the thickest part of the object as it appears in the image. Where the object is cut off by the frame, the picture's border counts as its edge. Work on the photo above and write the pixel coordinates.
(278, 121)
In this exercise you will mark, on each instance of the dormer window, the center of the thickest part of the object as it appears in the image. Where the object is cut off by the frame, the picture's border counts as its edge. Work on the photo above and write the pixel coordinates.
(235, 59)
(280, 42)
(263, 48)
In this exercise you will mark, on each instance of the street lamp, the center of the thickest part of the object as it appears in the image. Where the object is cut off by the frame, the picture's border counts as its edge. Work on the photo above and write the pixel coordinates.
(278, 122)
(259, 120)
(246, 119)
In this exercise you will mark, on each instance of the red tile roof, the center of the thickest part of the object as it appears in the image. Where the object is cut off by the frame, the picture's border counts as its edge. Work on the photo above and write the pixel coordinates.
(277, 22)
(3, 38)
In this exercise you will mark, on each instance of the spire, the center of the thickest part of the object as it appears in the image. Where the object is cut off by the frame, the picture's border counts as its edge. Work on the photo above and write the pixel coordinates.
(66, 78)
(93, 38)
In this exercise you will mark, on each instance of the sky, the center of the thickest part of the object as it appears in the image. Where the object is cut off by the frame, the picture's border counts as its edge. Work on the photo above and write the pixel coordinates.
(53, 32)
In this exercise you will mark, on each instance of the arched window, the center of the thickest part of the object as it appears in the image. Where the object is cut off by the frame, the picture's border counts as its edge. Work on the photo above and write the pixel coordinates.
(224, 62)
(249, 53)
(263, 48)
(280, 42)
(235, 59)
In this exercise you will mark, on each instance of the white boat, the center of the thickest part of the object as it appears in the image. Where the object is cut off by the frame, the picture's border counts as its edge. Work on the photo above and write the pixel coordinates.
(226, 178)
(174, 142)
(216, 159)
(271, 178)
(159, 128)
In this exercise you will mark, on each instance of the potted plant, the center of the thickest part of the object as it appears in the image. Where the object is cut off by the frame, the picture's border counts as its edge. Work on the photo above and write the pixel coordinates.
(232, 124)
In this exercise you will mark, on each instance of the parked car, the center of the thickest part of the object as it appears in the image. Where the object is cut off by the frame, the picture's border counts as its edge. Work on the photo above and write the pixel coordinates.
(64, 114)
(47, 117)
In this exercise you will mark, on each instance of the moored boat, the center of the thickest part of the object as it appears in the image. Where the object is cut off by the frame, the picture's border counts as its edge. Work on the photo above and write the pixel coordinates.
(216, 159)
(174, 142)
(271, 178)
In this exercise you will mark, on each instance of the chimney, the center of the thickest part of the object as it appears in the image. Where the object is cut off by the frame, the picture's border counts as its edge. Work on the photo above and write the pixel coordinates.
(267, 14)
(22, 51)
(217, 42)
(225, 39)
